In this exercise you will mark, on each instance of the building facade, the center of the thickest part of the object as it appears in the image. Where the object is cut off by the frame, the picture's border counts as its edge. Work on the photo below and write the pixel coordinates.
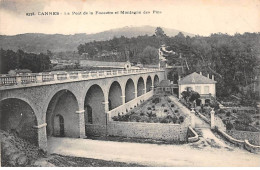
(205, 86)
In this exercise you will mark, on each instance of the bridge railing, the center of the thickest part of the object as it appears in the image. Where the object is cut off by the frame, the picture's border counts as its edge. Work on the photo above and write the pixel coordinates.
(30, 78)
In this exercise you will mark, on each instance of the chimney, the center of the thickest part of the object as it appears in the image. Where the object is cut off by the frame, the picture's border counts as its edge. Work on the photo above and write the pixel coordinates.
(200, 73)
(212, 77)
(208, 75)
(171, 82)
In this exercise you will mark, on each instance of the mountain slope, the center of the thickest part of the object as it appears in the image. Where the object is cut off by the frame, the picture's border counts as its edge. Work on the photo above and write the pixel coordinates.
(37, 42)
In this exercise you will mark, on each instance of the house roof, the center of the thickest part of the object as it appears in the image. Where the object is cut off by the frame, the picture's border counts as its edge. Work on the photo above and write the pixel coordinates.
(195, 78)
(165, 83)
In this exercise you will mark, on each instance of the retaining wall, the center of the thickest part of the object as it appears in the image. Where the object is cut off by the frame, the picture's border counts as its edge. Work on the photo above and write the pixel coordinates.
(158, 131)
(192, 135)
(131, 104)
(95, 129)
(242, 143)
(252, 148)
(253, 137)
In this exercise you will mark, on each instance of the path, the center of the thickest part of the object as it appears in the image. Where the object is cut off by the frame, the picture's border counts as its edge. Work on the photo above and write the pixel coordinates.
(202, 126)
(152, 154)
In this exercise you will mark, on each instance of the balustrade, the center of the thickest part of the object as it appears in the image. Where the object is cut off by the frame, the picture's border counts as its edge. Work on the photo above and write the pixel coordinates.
(47, 77)
(73, 75)
(62, 76)
(7, 80)
(27, 79)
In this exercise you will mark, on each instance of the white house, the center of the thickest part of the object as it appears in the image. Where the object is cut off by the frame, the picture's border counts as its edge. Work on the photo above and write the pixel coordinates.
(205, 86)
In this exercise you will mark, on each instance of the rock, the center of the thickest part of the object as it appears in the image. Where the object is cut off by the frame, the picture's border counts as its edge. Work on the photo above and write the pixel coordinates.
(14, 157)
(5, 145)
(43, 163)
(8, 152)
(22, 160)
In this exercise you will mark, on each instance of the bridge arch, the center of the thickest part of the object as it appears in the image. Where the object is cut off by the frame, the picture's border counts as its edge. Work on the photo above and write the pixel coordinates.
(115, 95)
(18, 116)
(94, 107)
(156, 80)
(149, 84)
(140, 86)
(62, 110)
(129, 90)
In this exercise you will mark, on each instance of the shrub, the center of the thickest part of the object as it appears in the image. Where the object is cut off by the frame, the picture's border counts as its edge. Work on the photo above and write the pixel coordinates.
(125, 118)
(176, 111)
(149, 114)
(257, 123)
(174, 119)
(156, 100)
(169, 101)
(149, 108)
(221, 111)
(115, 118)
(156, 120)
(153, 106)
(163, 105)
(228, 114)
(229, 126)
(169, 116)
(237, 121)
(165, 110)
(164, 121)
(142, 114)
(172, 105)
(181, 118)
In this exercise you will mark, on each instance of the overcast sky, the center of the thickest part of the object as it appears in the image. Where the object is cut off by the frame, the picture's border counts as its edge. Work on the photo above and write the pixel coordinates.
(201, 17)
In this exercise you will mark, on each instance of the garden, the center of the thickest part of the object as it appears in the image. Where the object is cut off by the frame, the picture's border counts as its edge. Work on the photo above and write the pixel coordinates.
(158, 109)
(235, 118)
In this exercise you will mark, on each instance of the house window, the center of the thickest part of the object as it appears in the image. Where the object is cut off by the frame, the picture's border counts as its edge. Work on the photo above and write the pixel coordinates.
(198, 89)
(206, 89)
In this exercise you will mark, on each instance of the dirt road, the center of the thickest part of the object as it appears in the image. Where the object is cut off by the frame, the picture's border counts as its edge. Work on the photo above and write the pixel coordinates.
(154, 155)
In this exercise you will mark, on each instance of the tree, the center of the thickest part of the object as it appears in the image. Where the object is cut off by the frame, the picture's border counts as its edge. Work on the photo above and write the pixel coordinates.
(194, 96)
(185, 95)
(11, 60)
(159, 32)
(150, 55)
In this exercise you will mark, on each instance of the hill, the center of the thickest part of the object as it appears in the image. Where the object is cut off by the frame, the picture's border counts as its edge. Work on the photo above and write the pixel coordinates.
(37, 42)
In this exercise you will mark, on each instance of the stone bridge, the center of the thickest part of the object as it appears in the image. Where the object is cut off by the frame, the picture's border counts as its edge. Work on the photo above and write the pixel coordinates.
(72, 104)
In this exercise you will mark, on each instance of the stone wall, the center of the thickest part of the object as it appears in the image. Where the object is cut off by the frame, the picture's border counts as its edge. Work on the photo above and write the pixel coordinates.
(95, 130)
(252, 137)
(157, 131)
(242, 143)
(131, 104)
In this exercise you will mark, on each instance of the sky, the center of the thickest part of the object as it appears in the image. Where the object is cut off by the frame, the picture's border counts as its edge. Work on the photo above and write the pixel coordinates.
(200, 17)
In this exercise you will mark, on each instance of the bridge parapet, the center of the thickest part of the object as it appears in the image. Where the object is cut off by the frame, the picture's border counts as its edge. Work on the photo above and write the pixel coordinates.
(61, 77)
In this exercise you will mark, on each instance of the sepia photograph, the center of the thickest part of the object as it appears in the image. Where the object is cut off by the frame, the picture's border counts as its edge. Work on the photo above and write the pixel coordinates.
(130, 83)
